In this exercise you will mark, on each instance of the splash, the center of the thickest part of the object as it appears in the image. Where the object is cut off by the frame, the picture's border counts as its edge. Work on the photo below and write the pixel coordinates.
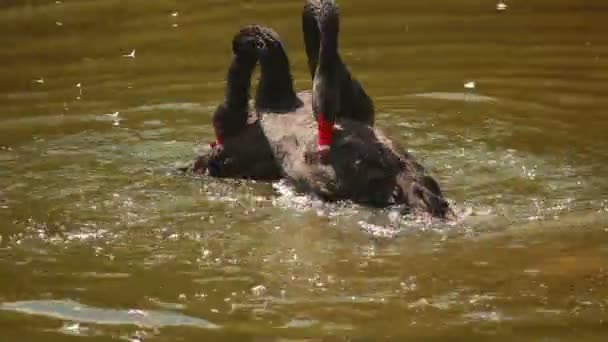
(382, 223)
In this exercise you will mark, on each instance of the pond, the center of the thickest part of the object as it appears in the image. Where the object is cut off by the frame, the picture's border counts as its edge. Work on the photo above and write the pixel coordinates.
(100, 239)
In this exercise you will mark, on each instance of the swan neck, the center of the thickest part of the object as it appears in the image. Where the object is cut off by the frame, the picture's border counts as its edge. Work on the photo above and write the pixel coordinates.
(275, 89)
(239, 83)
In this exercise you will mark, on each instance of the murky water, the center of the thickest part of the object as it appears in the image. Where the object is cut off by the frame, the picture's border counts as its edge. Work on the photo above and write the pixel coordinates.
(99, 239)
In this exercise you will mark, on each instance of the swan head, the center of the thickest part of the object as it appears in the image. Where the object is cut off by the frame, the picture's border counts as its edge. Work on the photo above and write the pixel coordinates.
(247, 43)
(257, 40)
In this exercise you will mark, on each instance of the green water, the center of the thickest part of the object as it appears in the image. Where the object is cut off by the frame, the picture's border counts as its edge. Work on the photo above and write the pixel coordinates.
(94, 226)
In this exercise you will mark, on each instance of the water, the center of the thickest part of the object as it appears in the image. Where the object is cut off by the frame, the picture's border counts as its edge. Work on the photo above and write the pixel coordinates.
(99, 239)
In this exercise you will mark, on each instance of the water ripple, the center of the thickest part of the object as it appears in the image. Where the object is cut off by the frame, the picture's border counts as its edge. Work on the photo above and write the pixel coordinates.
(74, 311)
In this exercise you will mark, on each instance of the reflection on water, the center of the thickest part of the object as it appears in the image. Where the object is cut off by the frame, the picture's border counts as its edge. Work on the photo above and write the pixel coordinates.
(506, 108)
(457, 97)
(71, 311)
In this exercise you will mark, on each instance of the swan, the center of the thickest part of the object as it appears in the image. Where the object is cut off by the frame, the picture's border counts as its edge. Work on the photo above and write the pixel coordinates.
(337, 93)
(273, 141)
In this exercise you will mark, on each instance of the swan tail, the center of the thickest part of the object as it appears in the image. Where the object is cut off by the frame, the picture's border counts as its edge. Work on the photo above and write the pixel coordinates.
(423, 194)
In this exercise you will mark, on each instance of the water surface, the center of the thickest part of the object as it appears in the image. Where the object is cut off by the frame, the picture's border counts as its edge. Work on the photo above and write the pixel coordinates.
(99, 239)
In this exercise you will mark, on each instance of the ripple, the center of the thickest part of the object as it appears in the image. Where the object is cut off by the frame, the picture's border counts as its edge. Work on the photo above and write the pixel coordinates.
(465, 97)
(183, 106)
(99, 275)
(76, 312)
(490, 316)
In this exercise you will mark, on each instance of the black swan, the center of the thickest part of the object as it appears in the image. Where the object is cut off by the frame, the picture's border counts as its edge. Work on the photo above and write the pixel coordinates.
(320, 26)
(363, 165)
(336, 93)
